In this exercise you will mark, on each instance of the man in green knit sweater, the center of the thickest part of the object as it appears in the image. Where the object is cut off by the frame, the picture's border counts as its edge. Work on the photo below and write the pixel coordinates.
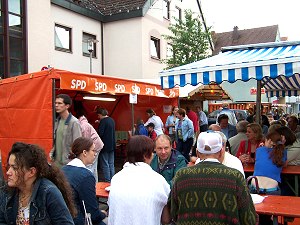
(209, 192)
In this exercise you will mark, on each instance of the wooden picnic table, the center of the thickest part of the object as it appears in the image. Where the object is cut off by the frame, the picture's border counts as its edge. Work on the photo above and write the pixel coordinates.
(100, 189)
(283, 206)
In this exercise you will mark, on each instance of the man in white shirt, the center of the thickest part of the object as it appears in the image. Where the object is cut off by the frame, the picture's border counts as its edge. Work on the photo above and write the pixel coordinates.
(228, 159)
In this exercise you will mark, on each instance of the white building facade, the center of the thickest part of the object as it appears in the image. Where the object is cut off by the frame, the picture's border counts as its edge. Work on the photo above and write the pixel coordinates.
(127, 39)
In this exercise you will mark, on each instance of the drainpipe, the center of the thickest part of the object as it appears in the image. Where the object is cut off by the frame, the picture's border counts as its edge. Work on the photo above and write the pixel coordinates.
(102, 50)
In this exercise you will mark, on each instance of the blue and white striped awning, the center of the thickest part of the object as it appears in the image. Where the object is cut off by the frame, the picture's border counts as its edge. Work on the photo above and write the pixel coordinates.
(277, 65)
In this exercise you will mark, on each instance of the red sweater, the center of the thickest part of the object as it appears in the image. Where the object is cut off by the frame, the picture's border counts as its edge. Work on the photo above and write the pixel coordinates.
(194, 118)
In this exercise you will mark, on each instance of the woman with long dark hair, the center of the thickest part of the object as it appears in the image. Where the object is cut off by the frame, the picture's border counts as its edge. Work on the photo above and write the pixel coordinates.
(270, 159)
(292, 145)
(269, 162)
(36, 192)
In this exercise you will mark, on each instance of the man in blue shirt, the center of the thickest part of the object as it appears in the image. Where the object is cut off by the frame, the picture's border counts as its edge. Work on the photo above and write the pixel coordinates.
(226, 128)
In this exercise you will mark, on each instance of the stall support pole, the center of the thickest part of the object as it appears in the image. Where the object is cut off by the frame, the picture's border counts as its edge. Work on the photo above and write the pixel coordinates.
(258, 103)
(132, 119)
(53, 106)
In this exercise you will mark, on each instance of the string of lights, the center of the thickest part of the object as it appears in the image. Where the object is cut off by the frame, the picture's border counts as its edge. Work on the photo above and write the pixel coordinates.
(110, 7)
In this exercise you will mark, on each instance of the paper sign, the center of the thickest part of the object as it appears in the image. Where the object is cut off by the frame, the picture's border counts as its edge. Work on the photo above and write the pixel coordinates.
(132, 98)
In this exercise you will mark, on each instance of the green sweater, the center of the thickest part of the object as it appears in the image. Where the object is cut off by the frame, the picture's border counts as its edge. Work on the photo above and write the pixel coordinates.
(211, 193)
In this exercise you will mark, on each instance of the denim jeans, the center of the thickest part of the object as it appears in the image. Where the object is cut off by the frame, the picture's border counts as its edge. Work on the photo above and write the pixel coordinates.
(185, 147)
(107, 161)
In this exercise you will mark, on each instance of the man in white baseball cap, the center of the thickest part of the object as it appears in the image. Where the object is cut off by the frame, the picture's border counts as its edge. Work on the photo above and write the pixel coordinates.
(210, 192)
(226, 158)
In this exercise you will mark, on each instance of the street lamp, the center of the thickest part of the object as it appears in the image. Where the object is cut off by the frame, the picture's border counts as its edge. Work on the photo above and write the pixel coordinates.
(90, 47)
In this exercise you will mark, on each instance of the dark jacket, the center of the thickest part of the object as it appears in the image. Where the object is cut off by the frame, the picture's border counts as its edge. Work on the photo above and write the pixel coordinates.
(106, 131)
(231, 131)
(83, 184)
(141, 130)
(47, 205)
(176, 161)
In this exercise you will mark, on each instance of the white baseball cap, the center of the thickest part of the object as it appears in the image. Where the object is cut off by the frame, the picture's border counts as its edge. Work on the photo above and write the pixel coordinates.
(209, 142)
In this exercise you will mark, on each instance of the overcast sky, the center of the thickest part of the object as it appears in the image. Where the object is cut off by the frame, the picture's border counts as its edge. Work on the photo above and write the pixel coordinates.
(223, 15)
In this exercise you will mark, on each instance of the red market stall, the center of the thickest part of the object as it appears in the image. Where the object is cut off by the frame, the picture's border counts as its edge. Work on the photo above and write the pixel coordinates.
(27, 103)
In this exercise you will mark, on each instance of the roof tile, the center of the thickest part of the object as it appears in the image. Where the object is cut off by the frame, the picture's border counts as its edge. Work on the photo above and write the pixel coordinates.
(244, 37)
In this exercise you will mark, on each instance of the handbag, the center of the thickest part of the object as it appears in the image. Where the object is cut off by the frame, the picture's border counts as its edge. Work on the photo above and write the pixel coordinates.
(87, 216)
(252, 189)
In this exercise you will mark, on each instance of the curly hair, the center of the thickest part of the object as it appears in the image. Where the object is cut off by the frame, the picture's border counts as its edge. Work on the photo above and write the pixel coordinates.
(278, 148)
(28, 156)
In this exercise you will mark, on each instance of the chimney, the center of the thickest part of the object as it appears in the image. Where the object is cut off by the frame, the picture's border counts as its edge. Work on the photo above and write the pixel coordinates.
(235, 34)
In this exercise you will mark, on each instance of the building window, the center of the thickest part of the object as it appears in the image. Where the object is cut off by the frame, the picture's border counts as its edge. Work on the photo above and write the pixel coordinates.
(63, 37)
(177, 14)
(155, 48)
(89, 42)
(13, 43)
(166, 9)
(169, 51)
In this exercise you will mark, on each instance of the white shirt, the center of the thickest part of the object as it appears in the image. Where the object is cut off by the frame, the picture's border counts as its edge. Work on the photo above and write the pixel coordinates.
(76, 162)
(230, 161)
(233, 162)
(137, 196)
(158, 124)
(203, 118)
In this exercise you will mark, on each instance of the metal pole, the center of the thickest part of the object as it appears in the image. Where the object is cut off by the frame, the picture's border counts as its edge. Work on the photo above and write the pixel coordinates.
(205, 27)
(132, 117)
(53, 107)
(258, 103)
(91, 57)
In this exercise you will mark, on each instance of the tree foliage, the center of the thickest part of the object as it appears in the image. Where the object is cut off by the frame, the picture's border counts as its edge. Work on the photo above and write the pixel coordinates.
(189, 41)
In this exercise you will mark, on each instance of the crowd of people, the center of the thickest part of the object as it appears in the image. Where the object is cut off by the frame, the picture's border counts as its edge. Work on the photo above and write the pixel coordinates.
(182, 171)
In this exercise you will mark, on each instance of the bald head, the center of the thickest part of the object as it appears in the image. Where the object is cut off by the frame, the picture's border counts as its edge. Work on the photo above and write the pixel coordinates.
(225, 105)
(214, 127)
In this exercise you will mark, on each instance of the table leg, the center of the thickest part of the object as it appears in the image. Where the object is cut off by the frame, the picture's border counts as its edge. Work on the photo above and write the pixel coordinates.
(296, 185)
(295, 188)
(275, 220)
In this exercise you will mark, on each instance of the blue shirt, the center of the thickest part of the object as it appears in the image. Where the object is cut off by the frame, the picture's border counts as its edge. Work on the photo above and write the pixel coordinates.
(225, 131)
(171, 120)
(187, 129)
(264, 165)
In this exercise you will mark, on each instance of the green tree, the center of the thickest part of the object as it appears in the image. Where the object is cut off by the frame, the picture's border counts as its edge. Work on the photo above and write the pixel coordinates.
(189, 42)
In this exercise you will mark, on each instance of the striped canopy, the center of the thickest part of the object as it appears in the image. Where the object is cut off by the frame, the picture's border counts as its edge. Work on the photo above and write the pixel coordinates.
(276, 64)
